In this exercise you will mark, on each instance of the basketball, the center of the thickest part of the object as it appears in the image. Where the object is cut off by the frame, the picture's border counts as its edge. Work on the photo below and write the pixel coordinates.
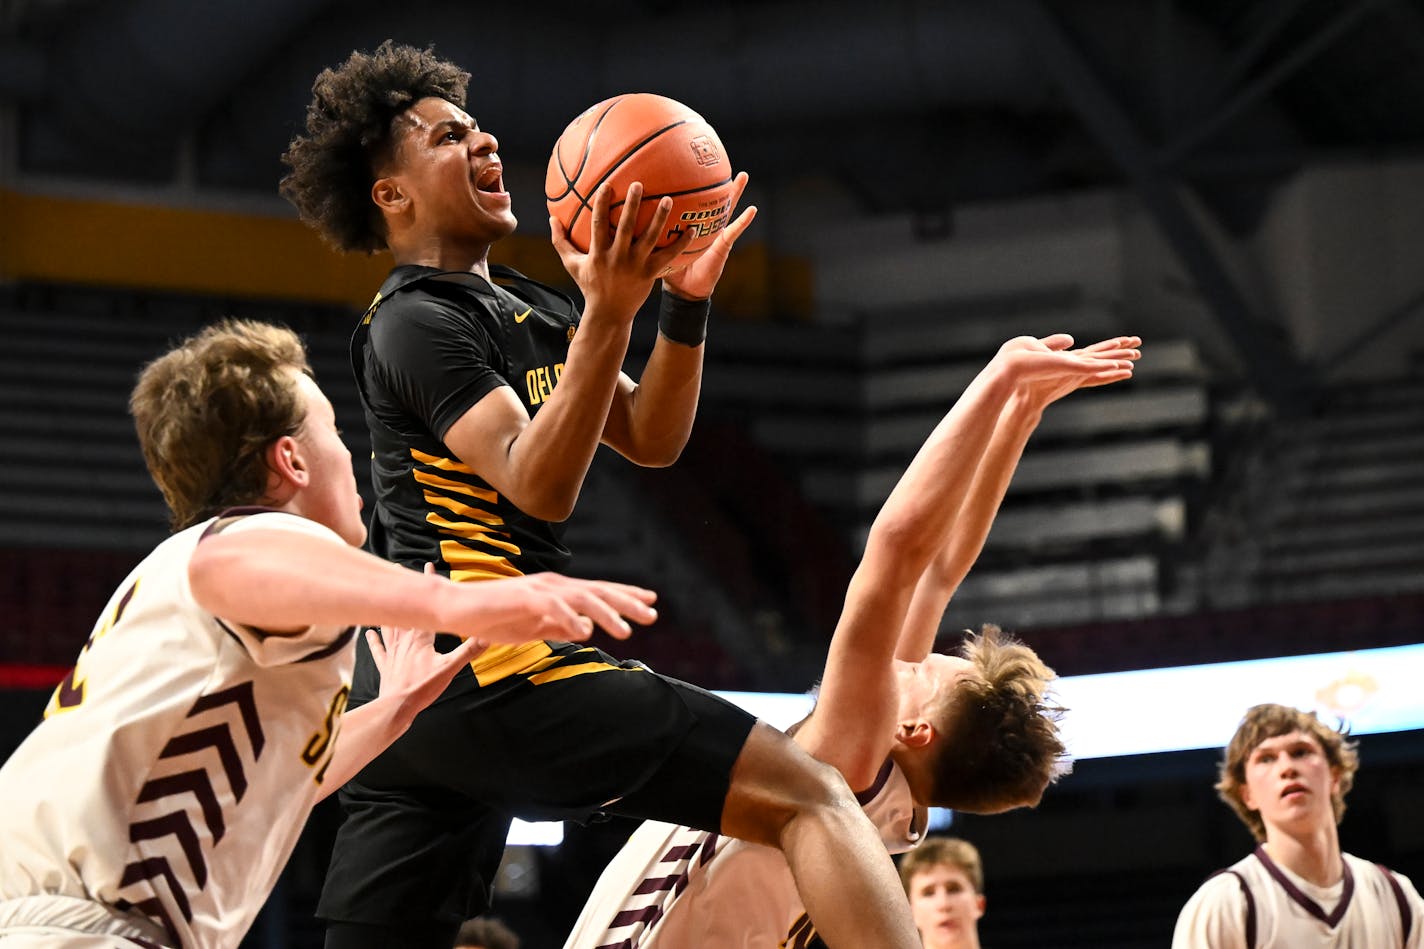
(649, 138)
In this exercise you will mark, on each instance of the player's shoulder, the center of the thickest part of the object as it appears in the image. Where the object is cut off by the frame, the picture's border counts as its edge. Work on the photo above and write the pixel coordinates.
(1215, 916)
(427, 300)
(236, 520)
(1231, 879)
(415, 296)
(1226, 887)
(1382, 876)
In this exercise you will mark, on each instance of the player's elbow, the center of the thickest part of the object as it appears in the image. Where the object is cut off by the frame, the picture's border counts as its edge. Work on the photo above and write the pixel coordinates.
(659, 456)
(651, 449)
(553, 506)
(907, 549)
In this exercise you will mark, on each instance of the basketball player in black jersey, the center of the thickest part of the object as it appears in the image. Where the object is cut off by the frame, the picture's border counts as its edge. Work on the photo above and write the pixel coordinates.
(487, 395)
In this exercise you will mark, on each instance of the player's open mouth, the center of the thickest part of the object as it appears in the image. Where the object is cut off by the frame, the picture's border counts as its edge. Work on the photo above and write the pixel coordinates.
(1294, 789)
(491, 179)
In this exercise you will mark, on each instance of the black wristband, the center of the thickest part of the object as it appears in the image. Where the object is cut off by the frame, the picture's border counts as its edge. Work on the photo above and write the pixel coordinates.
(683, 321)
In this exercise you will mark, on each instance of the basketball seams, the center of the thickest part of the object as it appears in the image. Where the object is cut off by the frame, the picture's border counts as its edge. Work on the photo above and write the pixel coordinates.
(583, 159)
(679, 194)
(663, 128)
(584, 204)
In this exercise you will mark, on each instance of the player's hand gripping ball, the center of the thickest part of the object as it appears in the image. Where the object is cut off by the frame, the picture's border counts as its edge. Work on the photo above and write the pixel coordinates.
(649, 138)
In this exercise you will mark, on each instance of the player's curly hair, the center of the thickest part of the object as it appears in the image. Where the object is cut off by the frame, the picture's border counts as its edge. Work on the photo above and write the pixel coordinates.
(350, 132)
(207, 410)
(1269, 720)
(999, 745)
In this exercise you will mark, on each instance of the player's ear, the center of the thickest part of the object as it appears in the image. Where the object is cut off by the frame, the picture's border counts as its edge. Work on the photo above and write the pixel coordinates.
(388, 196)
(914, 733)
(979, 904)
(287, 467)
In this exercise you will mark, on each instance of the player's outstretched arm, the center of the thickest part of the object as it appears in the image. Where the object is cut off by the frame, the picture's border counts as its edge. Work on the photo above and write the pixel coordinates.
(413, 675)
(283, 581)
(853, 723)
(649, 421)
(971, 525)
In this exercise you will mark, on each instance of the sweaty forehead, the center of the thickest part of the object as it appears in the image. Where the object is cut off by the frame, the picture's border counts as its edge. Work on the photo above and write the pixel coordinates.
(428, 112)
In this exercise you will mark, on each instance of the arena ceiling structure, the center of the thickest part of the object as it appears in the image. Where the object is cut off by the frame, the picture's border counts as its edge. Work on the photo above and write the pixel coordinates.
(911, 105)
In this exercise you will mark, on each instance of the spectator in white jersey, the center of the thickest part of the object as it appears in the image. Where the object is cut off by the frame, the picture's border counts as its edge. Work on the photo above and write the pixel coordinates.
(944, 880)
(177, 762)
(1286, 774)
(907, 727)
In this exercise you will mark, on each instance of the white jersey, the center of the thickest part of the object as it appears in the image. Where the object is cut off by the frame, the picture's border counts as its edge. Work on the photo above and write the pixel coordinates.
(175, 766)
(672, 887)
(1369, 908)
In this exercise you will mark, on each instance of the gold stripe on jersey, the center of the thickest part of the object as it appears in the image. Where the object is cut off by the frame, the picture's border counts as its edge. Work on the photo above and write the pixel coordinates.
(499, 662)
(455, 507)
(583, 668)
(466, 564)
(801, 933)
(474, 527)
(478, 533)
(459, 487)
(457, 466)
(539, 664)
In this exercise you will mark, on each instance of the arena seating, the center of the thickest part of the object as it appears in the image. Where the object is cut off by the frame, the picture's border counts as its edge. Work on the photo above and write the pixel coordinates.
(77, 508)
(1108, 480)
(1120, 528)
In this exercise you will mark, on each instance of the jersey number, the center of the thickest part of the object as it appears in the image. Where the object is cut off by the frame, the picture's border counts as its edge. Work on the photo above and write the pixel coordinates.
(70, 691)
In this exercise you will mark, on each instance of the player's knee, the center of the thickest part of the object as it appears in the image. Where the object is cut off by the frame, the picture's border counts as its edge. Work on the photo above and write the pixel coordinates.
(820, 785)
(776, 783)
(815, 792)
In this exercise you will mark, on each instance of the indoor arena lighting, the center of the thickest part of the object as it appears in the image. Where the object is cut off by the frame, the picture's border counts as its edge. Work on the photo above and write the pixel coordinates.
(1150, 711)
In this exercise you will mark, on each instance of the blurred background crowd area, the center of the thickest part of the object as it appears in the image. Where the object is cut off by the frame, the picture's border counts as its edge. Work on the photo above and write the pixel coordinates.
(1239, 183)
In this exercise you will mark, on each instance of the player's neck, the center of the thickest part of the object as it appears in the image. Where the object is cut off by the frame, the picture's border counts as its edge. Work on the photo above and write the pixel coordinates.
(432, 251)
(1313, 855)
(915, 767)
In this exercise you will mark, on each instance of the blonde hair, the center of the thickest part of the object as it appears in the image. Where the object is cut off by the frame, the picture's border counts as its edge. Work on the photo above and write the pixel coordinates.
(1000, 745)
(1263, 722)
(207, 410)
(943, 852)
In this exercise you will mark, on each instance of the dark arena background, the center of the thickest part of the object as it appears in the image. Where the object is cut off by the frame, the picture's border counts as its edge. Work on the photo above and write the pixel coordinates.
(1241, 182)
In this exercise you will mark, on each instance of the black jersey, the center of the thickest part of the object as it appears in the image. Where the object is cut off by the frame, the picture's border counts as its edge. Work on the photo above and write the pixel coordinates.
(431, 345)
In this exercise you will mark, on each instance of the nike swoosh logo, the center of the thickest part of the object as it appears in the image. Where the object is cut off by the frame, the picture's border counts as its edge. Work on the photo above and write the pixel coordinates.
(521, 317)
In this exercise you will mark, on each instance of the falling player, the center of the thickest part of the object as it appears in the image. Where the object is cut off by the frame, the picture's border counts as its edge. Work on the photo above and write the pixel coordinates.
(907, 727)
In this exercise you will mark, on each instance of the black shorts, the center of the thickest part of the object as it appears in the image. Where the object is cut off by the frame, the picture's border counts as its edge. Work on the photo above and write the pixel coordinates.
(426, 821)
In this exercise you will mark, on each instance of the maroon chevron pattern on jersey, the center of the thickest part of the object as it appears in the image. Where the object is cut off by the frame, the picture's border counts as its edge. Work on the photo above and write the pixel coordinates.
(670, 886)
(198, 781)
(801, 933)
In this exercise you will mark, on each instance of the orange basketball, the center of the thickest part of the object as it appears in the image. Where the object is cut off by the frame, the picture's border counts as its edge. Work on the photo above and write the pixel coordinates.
(648, 138)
